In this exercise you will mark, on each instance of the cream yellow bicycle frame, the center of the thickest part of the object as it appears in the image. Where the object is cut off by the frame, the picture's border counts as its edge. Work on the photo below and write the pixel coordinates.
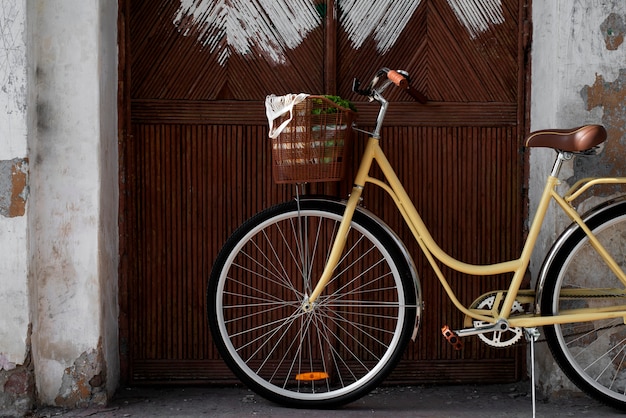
(433, 252)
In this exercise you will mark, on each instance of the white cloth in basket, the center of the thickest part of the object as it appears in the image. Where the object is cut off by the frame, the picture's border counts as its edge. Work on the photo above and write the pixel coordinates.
(276, 106)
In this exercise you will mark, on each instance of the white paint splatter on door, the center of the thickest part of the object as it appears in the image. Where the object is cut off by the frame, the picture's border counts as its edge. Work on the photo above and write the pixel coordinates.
(270, 27)
(384, 19)
(477, 15)
(245, 27)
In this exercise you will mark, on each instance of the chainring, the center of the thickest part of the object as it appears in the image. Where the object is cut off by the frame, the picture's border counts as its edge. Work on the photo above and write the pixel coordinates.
(499, 339)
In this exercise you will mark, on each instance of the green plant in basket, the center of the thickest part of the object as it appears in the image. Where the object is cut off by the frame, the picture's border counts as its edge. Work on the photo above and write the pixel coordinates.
(329, 136)
(346, 104)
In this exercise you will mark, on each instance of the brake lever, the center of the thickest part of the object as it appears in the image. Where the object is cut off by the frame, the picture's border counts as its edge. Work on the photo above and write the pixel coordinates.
(356, 87)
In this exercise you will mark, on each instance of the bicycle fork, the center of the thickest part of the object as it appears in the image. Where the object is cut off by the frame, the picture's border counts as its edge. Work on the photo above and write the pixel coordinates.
(335, 253)
(344, 228)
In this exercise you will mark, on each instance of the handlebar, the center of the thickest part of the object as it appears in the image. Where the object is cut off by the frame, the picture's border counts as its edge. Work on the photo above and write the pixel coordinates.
(399, 78)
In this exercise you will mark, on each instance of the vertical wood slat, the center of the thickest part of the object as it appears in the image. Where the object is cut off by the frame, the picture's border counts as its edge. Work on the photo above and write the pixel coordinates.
(330, 52)
(184, 223)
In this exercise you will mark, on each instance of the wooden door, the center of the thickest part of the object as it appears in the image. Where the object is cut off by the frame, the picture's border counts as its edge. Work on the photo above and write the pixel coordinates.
(196, 161)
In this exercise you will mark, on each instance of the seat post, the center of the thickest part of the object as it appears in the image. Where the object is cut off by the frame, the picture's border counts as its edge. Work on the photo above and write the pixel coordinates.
(562, 156)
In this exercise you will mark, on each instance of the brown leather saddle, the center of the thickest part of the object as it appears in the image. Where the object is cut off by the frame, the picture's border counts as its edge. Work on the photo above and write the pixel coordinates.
(571, 140)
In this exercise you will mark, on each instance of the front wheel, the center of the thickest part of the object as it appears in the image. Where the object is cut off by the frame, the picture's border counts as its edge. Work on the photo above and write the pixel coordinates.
(355, 333)
(591, 353)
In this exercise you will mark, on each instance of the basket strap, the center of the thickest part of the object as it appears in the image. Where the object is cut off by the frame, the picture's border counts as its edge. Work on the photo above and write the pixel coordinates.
(276, 106)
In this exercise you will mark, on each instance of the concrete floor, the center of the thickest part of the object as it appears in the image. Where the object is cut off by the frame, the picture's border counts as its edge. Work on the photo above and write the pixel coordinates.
(506, 400)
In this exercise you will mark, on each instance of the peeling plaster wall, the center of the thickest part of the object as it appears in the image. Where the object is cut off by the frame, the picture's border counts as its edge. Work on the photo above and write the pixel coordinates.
(16, 374)
(73, 201)
(578, 77)
(14, 309)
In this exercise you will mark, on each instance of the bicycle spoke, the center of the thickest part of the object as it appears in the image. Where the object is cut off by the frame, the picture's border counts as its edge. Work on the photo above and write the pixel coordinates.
(284, 275)
(265, 338)
(273, 276)
(359, 341)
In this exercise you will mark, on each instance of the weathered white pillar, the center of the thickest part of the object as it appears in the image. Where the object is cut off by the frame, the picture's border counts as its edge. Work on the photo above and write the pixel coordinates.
(73, 235)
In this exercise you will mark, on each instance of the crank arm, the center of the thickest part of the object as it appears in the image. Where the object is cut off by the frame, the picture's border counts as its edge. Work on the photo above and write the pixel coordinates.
(454, 337)
(500, 326)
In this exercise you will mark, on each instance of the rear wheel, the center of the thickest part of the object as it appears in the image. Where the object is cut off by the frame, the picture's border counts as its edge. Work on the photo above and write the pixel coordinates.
(592, 353)
(358, 329)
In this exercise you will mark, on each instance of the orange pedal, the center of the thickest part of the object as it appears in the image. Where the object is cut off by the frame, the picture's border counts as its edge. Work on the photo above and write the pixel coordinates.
(452, 337)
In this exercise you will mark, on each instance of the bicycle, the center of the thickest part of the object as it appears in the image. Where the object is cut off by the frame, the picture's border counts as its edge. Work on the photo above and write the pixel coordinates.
(312, 302)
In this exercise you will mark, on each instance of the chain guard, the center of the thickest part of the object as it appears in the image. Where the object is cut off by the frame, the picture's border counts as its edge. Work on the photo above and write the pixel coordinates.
(499, 339)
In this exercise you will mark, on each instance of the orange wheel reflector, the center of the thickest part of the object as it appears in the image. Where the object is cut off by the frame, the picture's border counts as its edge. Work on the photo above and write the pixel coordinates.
(312, 376)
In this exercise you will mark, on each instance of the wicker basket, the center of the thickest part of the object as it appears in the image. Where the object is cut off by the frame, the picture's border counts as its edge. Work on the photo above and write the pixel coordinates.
(313, 146)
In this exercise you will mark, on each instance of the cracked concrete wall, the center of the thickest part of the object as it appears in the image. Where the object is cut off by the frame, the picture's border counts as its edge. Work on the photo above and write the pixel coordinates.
(16, 376)
(578, 77)
(58, 203)
(14, 308)
(13, 187)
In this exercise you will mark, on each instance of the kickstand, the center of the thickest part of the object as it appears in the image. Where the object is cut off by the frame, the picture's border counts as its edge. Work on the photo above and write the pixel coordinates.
(532, 334)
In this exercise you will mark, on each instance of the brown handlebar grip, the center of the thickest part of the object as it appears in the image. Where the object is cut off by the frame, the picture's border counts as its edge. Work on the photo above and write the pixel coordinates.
(401, 81)
(398, 79)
